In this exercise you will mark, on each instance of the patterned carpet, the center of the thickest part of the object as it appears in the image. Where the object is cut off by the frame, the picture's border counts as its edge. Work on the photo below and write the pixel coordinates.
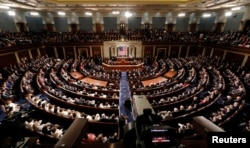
(124, 95)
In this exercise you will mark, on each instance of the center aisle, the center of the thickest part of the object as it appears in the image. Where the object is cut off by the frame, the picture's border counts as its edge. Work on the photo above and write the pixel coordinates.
(125, 94)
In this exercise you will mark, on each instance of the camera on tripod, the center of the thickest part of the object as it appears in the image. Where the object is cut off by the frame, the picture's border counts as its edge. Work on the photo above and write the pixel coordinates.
(151, 134)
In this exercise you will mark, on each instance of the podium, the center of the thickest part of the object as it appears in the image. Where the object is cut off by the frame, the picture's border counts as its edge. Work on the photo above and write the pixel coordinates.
(124, 67)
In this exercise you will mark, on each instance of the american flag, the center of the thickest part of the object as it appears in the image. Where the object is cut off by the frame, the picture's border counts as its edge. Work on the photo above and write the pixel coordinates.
(122, 51)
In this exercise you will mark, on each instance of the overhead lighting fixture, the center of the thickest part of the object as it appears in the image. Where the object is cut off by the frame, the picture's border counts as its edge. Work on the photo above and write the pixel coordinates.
(115, 12)
(11, 13)
(229, 13)
(34, 13)
(235, 8)
(128, 14)
(88, 13)
(4, 7)
(181, 14)
(206, 15)
(61, 13)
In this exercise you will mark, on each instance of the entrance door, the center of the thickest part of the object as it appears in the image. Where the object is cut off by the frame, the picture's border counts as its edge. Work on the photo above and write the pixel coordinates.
(122, 28)
(98, 27)
(21, 27)
(219, 27)
(170, 27)
(246, 26)
(73, 27)
(49, 27)
(193, 27)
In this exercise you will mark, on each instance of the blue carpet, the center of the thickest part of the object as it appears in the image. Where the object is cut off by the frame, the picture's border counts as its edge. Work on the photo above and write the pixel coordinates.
(124, 95)
(23, 103)
(2, 115)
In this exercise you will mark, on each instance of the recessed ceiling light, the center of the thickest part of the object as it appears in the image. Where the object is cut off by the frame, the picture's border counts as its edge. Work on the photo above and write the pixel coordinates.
(206, 15)
(12, 13)
(115, 12)
(128, 14)
(229, 13)
(88, 13)
(34, 13)
(61, 13)
(181, 14)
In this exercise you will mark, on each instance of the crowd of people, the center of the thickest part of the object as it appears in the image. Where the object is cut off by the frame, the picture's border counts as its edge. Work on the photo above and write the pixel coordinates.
(201, 80)
(238, 38)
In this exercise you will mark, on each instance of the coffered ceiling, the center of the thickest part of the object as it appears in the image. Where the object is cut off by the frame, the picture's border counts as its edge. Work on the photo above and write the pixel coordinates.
(121, 5)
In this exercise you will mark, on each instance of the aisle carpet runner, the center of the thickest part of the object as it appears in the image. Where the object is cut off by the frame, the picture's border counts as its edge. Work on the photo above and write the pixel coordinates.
(124, 95)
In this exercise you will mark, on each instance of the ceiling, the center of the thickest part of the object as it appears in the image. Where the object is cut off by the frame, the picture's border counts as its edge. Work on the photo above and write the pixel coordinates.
(122, 5)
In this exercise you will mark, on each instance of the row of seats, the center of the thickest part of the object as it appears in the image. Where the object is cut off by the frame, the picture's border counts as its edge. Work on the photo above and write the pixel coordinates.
(198, 86)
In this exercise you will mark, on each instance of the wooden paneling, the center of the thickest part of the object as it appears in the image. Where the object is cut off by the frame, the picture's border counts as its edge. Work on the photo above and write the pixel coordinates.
(161, 52)
(183, 51)
(7, 60)
(218, 53)
(50, 51)
(43, 51)
(96, 51)
(69, 51)
(23, 55)
(235, 58)
(174, 51)
(199, 50)
(60, 52)
(83, 51)
(148, 51)
(208, 52)
(248, 62)
(195, 50)
(34, 53)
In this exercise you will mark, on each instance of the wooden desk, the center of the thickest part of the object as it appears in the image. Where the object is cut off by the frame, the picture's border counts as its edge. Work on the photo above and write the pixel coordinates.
(153, 81)
(170, 74)
(123, 59)
(94, 82)
(124, 63)
(76, 75)
(122, 67)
